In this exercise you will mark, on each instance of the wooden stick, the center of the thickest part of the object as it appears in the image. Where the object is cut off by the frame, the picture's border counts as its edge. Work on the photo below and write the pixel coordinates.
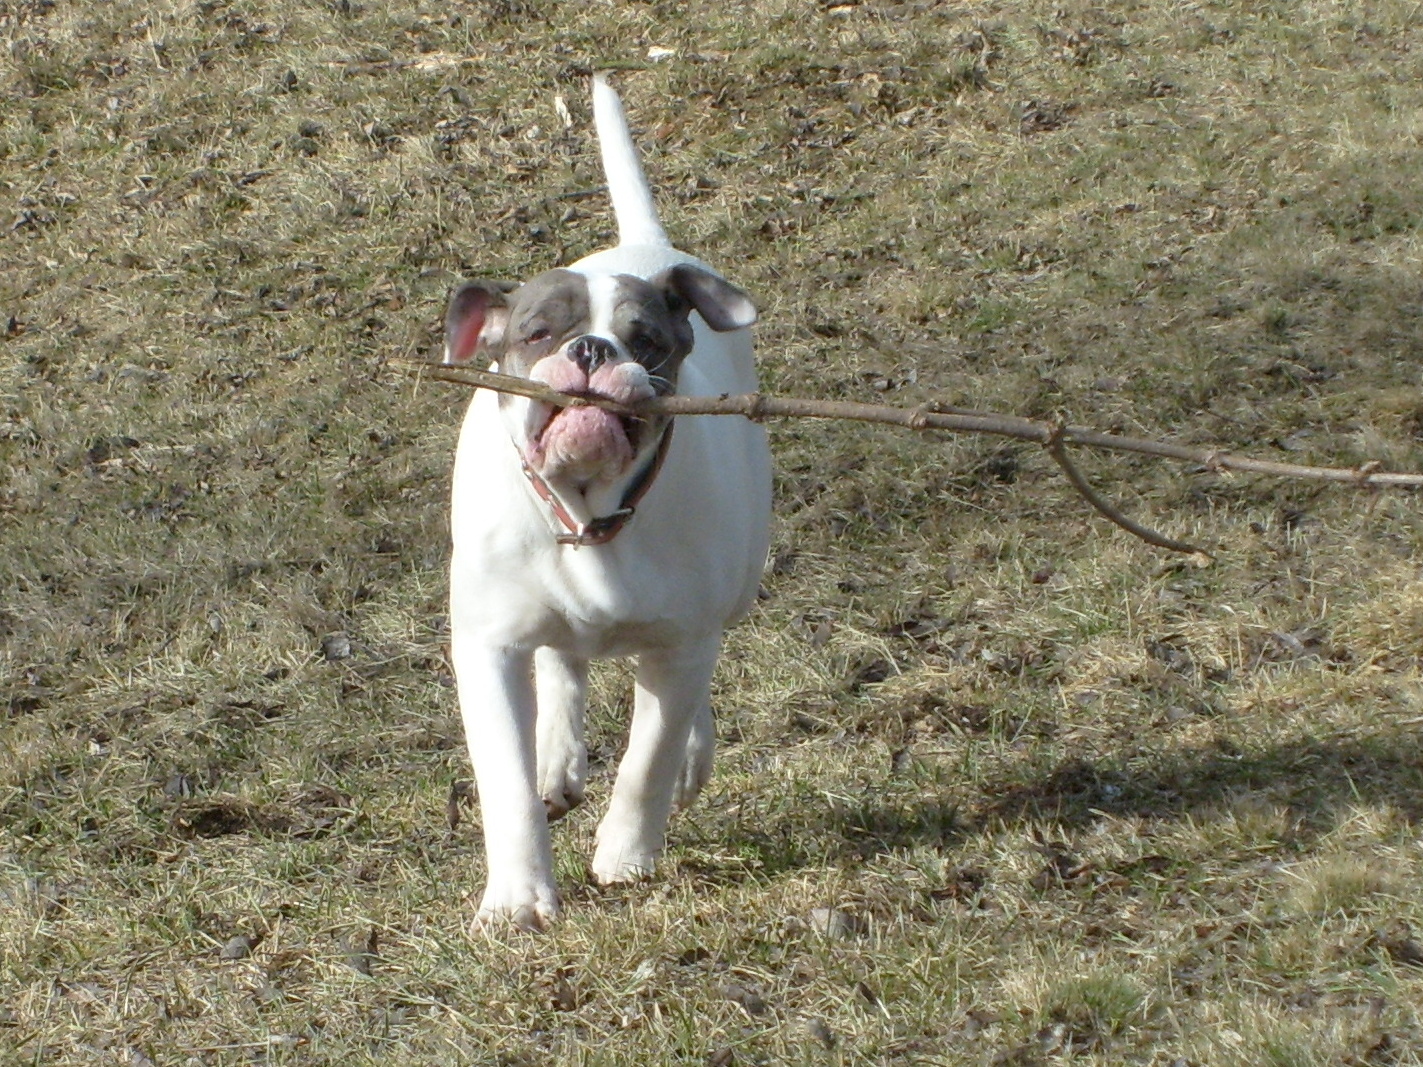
(1054, 439)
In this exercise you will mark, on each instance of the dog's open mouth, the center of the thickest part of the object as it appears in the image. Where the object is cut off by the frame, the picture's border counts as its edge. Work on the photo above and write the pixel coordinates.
(585, 444)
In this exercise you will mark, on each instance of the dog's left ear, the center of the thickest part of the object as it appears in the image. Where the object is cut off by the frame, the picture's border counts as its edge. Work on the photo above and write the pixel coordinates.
(721, 304)
(476, 318)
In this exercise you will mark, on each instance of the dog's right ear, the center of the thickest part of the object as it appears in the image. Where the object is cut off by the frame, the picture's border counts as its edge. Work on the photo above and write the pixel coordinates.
(476, 318)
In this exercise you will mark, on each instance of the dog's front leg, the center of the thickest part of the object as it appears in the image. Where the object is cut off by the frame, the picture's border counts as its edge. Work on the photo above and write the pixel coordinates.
(497, 704)
(672, 691)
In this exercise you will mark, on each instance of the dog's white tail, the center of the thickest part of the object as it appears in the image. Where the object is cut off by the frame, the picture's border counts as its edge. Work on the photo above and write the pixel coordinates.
(627, 185)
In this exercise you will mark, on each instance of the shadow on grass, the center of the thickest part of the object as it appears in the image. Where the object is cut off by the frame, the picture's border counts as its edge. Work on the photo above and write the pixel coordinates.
(1314, 779)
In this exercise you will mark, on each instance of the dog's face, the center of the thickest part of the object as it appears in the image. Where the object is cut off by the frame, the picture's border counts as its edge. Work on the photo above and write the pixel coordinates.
(611, 335)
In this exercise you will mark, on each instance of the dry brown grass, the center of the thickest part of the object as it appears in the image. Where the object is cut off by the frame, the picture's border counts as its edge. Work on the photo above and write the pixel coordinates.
(1066, 800)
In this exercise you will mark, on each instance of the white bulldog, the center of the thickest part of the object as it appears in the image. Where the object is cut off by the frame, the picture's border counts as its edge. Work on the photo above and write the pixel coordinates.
(580, 534)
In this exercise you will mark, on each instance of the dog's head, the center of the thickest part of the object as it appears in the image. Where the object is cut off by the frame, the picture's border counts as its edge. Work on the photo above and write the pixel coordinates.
(612, 335)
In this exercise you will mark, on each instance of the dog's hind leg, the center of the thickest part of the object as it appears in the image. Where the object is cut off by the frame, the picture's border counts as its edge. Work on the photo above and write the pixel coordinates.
(561, 682)
(672, 691)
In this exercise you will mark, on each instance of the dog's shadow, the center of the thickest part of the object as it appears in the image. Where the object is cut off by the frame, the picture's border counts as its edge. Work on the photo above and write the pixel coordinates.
(1312, 780)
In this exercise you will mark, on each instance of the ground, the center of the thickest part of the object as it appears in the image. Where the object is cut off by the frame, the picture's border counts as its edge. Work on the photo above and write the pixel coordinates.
(998, 784)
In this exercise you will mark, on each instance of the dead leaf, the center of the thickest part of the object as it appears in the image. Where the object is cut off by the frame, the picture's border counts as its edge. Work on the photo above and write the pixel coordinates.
(1402, 949)
(748, 999)
(362, 957)
(462, 790)
(1042, 116)
(564, 997)
(962, 883)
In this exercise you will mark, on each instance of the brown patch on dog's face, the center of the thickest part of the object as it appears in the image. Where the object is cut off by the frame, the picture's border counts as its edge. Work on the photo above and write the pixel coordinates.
(545, 313)
(652, 331)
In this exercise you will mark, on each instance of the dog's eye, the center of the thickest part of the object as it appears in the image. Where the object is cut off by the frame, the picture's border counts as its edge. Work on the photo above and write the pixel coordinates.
(644, 344)
(535, 336)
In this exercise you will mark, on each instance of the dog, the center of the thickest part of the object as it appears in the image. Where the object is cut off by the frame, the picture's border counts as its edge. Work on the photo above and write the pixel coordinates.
(578, 534)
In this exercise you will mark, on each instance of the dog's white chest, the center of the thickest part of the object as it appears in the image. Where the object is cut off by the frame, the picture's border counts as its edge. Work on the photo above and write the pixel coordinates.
(689, 560)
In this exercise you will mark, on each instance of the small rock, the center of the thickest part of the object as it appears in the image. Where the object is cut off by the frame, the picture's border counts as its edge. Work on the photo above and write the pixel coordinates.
(240, 947)
(335, 647)
(835, 924)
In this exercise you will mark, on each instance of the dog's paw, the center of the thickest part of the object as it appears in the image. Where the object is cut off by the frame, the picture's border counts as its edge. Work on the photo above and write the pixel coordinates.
(561, 782)
(626, 867)
(622, 857)
(530, 908)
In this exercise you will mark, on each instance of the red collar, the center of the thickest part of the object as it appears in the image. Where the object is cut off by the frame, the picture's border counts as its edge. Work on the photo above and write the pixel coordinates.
(603, 529)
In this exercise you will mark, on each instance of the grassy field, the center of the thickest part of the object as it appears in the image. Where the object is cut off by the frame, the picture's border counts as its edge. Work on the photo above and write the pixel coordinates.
(998, 784)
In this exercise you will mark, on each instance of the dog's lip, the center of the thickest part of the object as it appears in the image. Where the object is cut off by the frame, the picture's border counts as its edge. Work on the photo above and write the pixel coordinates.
(632, 425)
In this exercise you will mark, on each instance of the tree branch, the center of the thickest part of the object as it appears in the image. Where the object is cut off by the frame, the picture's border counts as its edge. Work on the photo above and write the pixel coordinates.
(1058, 451)
(1054, 439)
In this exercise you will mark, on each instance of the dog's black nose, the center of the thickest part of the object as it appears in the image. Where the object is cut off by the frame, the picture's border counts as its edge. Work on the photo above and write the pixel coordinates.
(591, 352)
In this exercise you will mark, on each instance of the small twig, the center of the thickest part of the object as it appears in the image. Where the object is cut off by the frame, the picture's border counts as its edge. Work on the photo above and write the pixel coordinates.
(757, 406)
(1058, 452)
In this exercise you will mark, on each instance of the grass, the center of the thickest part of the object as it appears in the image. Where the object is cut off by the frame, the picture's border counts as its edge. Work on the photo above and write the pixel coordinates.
(997, 784)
